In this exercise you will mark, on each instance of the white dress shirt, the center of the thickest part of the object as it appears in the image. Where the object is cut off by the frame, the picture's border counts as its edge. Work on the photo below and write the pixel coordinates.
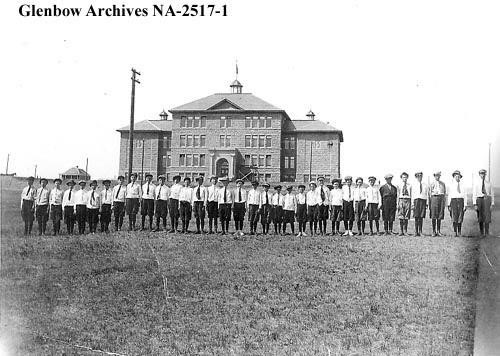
(312, 198)
(81, 197)
(133, 191)
(119, 193)
(28, 193)
(162, 192)
(42, 196)
(269, 197)
(212, 193)
(300, 198)
(457, 190)
(107, 196)
(186, 194)
(401, 190)
(56, 196)
(359, 193)
(148, 191)
(347, 192)
(175, 191)
(203, 193)
(437, 188)
(477, 191)
(67, 200)
(277, 199)
(237, 195)
(373, 195)
(326, 192)
(253, 197)
(93, 199)
(417, 194)
(289, 202)
(336, 196)
(227, 192)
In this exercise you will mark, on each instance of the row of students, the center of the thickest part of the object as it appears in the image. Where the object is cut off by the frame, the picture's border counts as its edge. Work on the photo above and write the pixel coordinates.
(340, 202)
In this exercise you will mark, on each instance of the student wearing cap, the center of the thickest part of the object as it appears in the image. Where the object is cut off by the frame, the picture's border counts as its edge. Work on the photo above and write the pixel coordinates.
(239, 206)
(289, 208)
(132, 198)
(323, 204)
(173, 203)
(437, 191)
(42, 206)
(360, 205)
(336, 206)
(55, 206)
(119, 196)
(404, 203)
(373, 204)
(200, 199)
(389, 194)
(162, 193)
(106, 203)
(28, 196)
(277, 210)
(93, 206)
(68, 205)
(148, 202)
(185, 204)
(254, 205)
(225, 200)
(457, 202)
(312, 208)
(420, 197)
(301, 209)
(212, 205)
(266, 199)
(484, 198)
(348, 205)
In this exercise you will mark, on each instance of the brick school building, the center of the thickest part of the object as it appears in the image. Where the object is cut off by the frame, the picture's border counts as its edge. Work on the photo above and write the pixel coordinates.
(235, 134)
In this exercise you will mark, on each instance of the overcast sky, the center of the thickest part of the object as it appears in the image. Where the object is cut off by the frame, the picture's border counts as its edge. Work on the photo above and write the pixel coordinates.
(414, 85)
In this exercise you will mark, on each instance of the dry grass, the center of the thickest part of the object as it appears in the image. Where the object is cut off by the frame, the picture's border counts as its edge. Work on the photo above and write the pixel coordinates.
(259, 295)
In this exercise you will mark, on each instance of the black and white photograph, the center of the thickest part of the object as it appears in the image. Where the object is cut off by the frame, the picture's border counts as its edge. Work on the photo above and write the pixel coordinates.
(250, 177)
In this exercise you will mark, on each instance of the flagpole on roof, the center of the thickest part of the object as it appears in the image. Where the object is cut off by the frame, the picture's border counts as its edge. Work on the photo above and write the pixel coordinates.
(236, 68)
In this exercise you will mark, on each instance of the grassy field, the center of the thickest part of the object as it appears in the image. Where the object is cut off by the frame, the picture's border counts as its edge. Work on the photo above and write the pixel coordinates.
(263, 295)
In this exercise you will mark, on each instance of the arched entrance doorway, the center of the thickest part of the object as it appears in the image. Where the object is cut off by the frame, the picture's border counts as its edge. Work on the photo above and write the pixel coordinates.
(222, 167)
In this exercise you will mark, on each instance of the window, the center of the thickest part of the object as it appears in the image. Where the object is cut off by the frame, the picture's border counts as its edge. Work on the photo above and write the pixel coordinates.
(262, 122)
(268, 121)
(189, 121)
(225, 140)
(248, 141)
(225, 122)
(248, 122)
(292, 143)
(183, 121)
(254, 141)
(262, 141)
(167, 141)
(203, 121)
(222, 141)
(254, 160)
(189, 140)
(292, 162)
(228, 141)
(247, 160)
(203, 140)
(306, 178)
(202, 160)
(196, 140)
(261, 161)
(182, 160)
(138, 143)
(168, 177)
(255, 122)
(196, 122)
(268, 141)
(268, 160)
(267, 177)
(285, 162)
(196, 160)
(189, 160)
(286, 143)
(169, 160)
(182, 142)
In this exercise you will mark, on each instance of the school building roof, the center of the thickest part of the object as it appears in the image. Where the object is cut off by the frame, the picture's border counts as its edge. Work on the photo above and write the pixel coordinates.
(311, 126)
(239, 101)
(149, 126)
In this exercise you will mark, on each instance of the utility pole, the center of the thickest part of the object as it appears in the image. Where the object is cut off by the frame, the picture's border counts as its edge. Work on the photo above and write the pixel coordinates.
(7, 167)
(131, 128)
(142, 163)
(310, 161)
(35, 170)
(489, 162)
(87, 177)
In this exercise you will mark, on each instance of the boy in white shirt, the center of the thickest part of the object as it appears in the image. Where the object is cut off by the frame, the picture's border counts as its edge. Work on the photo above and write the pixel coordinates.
(173, 203)
(42, 206)
(336, 206)
(199, 204)
(254, 205)
(55, 206)
(457, 202)
(420, 198)
(28, 196)
(289, 208)
(323, 194)
(119, 196)
(239, 206)
(312, 208)
(360, 205)
(132, 201)
(212, 205)
(277, 210)
(301, 210)
(148, 202)
(106, 203)
(81, 206)
(225, 200)
(348, 205)
(373, 204)
(404, 203)
(266, 199)
(185, 203)
(162, 193)
(93, 205)
(483, 197)
(68, 205)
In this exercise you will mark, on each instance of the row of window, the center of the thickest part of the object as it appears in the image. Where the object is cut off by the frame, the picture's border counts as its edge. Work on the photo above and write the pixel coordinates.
(193, 121)
(257, 141)
(193, 140)
(257, 122)
(289, 143)
(289, 162)
(225, 141)
(258, 160)
(192, 160)
(288, 178)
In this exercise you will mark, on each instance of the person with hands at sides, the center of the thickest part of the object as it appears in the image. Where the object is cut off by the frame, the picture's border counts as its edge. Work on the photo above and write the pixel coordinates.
(483, 197)
(457, 202)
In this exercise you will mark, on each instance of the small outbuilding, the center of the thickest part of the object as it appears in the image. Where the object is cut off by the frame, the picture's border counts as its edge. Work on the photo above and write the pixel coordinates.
(75, 173)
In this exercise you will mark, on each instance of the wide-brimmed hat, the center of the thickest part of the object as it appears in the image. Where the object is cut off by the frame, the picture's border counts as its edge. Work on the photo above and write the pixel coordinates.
(359, 178)
(162, 177)
(148, 175)
(82, 182)
(223, 179)
(372, 178)
(133, 175)
(276, 187)
(70, 182)
(403, 174)
(388, 176)
(321, 178)
(120, 177)
(456, 173)
(336, 180)
(44, 179)
(482, 171)
(419, 174)
(239, 181)
(301, 186)
(313, 182)
(266, 185)
(106, 181)
(255, 183)
(94, 182)
(58, 180)
(177, 177)
(437, 173)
